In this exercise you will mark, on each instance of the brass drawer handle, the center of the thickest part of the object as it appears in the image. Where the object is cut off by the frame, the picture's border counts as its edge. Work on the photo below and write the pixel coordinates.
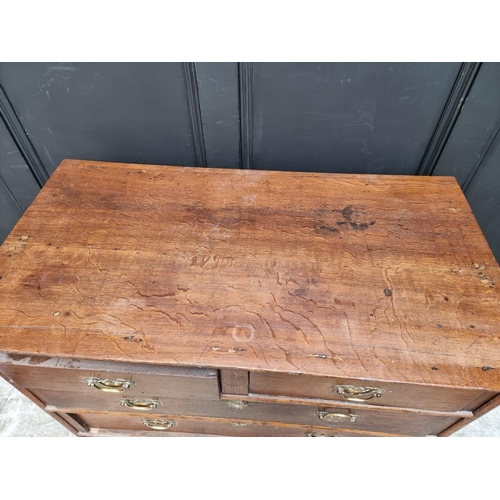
(110, 385)
(140, 404)
(158, 425)
(358, 393)
(346, 416)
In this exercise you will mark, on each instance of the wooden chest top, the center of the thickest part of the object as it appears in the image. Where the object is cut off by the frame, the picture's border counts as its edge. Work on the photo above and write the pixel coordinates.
(362, 276)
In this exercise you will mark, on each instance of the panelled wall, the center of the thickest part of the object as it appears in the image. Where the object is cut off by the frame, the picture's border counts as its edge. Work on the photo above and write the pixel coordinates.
(384, 118)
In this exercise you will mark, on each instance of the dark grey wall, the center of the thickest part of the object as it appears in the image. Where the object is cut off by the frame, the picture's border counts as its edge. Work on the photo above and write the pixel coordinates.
(478, 122)
(110, 112)
(385, 118)
(354, 117)
(18, 187)
(472, 153)
(220, 113)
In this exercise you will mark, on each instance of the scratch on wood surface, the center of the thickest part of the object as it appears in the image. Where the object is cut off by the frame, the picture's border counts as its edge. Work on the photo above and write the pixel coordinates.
(93, 263)
(289, 322)
(326, 356)
(16, 310)
(352, 345)
(116, 344)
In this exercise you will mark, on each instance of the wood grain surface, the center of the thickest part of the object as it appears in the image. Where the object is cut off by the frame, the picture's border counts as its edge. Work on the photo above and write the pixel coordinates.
(358, 276)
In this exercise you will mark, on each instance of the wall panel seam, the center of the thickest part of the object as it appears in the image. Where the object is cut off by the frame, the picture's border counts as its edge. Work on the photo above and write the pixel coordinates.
(21, 139)
(491, 140)
(245, 87)
(458, 95)
(195, 113)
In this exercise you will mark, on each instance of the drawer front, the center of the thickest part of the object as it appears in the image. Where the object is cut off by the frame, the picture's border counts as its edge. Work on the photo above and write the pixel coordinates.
(165, 426)
(391, 422)
(367, 392)
(165, 383)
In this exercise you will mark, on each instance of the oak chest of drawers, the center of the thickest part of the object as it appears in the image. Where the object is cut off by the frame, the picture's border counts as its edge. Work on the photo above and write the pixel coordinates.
(167, 301)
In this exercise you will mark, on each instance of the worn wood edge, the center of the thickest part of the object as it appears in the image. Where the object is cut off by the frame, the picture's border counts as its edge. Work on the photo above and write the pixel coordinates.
(52, 362)
(73, 420)
(100, 432)
(209, 171)
(40, 404)
(245, 367)
(268, 423)
(477, 402)
(258, 398)
(482, 410)
(479, 234)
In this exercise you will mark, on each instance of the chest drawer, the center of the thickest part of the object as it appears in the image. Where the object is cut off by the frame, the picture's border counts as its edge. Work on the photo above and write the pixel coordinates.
(158, 426)
(88, 378)
(365, 419)
(367, 392)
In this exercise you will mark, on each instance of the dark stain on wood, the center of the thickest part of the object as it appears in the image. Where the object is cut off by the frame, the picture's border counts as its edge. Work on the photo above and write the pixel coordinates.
(37, 360)
(357, 226)
(354, 217)
(17, 357)
(329, 228)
